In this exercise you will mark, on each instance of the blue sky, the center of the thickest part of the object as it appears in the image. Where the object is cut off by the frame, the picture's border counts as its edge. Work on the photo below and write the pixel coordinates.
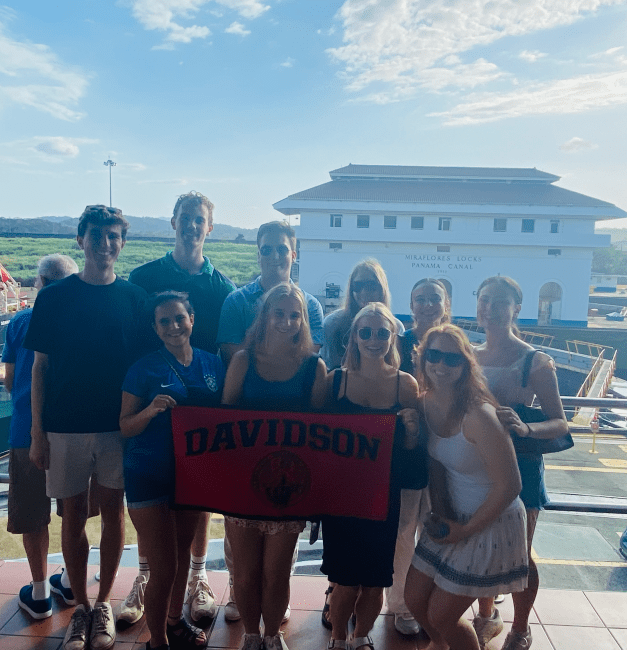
(249, 101)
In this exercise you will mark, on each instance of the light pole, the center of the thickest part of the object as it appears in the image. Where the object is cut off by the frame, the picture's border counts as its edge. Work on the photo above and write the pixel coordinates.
(110, 164)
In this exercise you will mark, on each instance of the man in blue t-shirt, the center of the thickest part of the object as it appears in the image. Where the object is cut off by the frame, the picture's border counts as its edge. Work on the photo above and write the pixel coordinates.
(28, 505)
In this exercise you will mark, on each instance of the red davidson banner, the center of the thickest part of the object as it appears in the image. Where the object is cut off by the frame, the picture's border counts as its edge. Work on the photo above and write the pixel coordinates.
(282, 465)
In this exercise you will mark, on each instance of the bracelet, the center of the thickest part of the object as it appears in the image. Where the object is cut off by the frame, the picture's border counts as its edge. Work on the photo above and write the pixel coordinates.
(529, 431)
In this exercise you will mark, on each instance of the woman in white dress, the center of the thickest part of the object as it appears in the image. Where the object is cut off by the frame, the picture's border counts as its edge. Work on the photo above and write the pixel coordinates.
(476, 543)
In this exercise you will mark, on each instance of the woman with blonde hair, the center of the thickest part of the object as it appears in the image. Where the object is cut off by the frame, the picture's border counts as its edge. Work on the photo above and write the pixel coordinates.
(474, 542)
(358, 554)
(367, 283)
(515, 374)
(277, 370)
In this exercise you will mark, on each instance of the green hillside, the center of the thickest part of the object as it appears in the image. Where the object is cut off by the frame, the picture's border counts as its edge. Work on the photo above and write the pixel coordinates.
(20, 254)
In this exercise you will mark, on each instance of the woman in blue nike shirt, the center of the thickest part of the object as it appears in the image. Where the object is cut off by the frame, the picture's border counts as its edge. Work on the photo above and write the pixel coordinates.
(176, 374)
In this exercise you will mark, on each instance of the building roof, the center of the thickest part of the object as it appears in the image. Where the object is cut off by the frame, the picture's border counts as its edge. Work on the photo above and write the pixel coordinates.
(449, 192)
(390, 172)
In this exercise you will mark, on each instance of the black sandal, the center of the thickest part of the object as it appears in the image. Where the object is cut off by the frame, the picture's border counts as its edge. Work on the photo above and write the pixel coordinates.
(325, 610)
(182, 636)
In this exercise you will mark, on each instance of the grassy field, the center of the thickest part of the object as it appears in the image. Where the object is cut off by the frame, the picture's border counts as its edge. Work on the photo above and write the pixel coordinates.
(20, 254)
(11, 546)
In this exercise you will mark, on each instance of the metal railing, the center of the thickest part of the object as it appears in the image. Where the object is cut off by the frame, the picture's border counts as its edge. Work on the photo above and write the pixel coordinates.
(592, 375)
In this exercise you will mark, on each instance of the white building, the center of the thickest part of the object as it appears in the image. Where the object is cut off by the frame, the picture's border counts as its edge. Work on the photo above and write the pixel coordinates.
(458, 224)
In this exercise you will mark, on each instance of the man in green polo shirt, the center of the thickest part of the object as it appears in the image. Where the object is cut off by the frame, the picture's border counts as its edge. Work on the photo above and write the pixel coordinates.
(186, 269)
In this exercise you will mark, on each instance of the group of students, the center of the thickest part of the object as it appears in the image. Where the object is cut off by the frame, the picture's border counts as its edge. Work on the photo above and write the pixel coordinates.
(455, 477)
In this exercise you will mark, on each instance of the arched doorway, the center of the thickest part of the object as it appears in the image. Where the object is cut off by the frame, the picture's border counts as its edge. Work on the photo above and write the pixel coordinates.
(549, 303)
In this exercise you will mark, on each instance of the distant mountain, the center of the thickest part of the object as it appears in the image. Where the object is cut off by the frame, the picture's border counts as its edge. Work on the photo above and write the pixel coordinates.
(142, 226)
(618, 234)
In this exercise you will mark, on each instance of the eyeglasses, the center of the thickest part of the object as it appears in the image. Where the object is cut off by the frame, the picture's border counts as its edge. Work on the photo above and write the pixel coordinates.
(365, 333)
(434, 299)
(451, 359)
(282, 250)
(368, 285)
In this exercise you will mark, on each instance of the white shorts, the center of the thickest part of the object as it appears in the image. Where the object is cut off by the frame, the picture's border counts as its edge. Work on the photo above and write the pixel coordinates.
(74, 457)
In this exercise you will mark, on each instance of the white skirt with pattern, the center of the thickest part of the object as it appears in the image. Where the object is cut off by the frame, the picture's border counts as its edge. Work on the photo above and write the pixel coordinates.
(490, 562)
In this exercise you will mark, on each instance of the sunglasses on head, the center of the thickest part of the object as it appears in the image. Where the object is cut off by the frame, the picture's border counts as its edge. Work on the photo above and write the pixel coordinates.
(451, 359)
(365, 333)
(281, 249)
(368, 285)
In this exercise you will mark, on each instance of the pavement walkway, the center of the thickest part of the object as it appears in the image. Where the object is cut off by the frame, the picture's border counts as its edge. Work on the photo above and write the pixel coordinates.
(562, 619)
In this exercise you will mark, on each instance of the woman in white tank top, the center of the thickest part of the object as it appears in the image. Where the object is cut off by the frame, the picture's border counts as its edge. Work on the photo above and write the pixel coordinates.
(502, 358)
(474, 483)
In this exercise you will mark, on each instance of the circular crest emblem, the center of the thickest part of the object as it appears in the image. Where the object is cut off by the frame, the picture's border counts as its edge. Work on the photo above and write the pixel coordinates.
(281, 478)
(212, 383)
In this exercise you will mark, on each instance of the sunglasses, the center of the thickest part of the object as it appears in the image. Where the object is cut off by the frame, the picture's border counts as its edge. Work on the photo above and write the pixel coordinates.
(451, 359)
(368, 285)
(365, 333)
(282, 250)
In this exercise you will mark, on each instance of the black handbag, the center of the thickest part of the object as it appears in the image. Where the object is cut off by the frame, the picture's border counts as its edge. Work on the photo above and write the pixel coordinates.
(531, 414)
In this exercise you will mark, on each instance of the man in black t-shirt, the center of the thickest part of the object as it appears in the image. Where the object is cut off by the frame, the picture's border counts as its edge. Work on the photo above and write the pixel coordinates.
(84, 331)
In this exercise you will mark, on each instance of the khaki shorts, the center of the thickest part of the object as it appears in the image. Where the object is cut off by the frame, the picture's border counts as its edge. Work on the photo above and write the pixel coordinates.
(75, 457)
(28, 505)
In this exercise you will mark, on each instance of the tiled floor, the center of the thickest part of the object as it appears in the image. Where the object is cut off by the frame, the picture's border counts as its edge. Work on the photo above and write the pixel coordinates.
(562, 620)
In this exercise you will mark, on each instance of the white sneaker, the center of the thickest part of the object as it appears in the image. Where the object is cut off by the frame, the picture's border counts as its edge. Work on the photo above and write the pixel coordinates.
(102, 635)
(286, 616)
(406, 624)
(77, 633)
(231, 613)
(132, 609)
(274, 642)
(487, 628)
(200, 598)
(251, 642)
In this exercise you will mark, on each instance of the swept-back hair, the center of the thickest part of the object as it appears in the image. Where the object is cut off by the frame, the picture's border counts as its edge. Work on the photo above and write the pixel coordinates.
(352, 358)
(372, 265)
(446, 317)
(277, 228)
(256, 335)
(471, 388)
(158, 299)
(513, 289)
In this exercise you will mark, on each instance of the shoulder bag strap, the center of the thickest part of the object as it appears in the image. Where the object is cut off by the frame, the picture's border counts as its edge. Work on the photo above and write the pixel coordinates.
(527, 367)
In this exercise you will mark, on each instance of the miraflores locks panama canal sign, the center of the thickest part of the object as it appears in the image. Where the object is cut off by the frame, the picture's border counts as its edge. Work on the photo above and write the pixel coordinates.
(458, 224)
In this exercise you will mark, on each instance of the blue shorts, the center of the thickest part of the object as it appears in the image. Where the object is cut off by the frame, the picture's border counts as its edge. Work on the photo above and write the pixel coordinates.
(533, 493)
(144, 490)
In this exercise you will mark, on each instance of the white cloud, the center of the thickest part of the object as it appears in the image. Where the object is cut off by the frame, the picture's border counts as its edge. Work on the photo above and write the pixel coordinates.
(49, 148)
(398, 47)
(134, 167)
(575, 95)
(166, 16)
(237, 28)
(288, 63)
(32, 75)
(246, 8)
(577, 144)
(531, 55)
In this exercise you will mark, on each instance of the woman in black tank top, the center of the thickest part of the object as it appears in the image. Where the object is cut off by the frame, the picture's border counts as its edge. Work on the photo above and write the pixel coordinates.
(359, 553)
